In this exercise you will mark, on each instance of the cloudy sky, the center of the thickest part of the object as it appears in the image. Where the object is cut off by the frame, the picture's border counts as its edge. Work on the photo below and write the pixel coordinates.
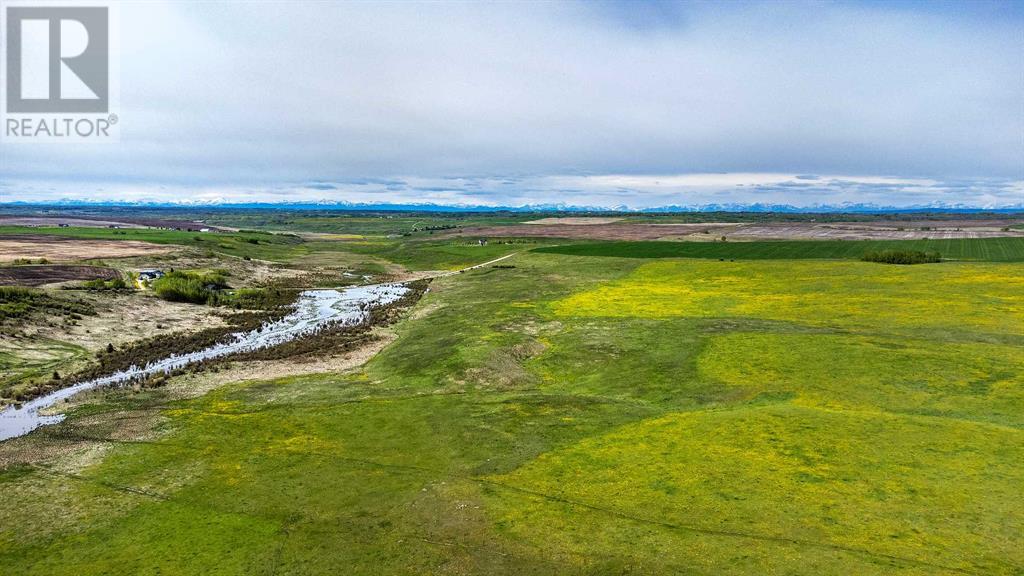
(601, 104)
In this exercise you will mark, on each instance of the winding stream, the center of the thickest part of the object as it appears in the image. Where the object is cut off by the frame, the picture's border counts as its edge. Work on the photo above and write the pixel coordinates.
(314, 310)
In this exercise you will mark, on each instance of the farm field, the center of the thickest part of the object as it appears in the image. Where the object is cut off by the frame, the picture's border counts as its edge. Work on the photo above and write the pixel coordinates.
(982, 249)
(25, 244)
(617, 230)
(740, 227)
(39, 274)
(795, 411)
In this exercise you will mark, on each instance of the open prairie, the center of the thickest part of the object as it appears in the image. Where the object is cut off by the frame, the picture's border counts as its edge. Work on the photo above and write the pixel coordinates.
(593, 408)
(504, 287)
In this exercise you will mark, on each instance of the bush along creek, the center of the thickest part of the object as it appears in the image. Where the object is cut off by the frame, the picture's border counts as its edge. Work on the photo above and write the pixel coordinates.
(340, 316)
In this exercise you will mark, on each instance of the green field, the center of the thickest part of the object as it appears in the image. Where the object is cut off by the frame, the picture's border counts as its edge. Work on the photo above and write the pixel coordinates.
(578, 415)
(984, 249)
(259, 245)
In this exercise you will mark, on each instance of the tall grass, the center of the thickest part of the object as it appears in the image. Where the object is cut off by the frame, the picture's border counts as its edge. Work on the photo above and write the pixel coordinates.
(192, 287)
(18, 302)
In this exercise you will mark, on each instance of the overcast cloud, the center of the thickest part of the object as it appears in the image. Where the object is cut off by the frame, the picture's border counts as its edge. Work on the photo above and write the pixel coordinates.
(593, 104)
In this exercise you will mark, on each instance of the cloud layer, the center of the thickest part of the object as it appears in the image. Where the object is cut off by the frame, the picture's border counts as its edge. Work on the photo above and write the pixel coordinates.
(630, 192)
(549, 101)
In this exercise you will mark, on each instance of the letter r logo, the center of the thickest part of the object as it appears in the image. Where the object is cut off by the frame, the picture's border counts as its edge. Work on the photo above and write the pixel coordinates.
(57, 59)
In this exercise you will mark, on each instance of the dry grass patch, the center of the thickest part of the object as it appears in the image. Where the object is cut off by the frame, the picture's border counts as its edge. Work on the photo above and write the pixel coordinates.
(59, 249)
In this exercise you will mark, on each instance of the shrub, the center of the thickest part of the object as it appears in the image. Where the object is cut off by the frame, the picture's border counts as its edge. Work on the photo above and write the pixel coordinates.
(18, 302)
(902, 257)
(13, 293)
(27, 261)
(257, 298)
(193, 287)
(95, 284)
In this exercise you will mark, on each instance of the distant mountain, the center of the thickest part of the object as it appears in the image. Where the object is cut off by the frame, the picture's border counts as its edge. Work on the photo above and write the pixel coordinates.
(556, 207)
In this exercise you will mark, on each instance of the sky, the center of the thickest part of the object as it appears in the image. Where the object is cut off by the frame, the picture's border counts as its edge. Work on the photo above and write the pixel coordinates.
(604, 104)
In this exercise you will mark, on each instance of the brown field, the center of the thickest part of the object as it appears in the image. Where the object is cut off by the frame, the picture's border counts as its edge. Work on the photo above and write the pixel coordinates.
(561, 228)
(58, 220)
(614, 231)
(874, 231)
(994, 224)
(574, 220)
(95, 222)
(51, 273)
(58, 248)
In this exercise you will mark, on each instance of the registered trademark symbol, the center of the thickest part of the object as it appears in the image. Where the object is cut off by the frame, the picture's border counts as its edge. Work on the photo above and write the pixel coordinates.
(112, 119)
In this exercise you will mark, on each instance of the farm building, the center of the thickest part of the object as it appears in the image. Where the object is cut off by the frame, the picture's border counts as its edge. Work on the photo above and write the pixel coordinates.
(150, 275)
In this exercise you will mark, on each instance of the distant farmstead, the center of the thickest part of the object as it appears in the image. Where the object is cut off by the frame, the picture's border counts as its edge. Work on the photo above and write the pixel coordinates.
(150, 275)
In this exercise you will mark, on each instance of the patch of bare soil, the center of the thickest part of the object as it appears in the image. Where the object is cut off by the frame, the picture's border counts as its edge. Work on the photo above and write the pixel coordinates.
(504, 368)
(52, 273)
(57, 248)
(574, 221)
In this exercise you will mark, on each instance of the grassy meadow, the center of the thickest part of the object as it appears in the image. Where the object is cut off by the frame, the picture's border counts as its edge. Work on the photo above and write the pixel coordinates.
(578, 415)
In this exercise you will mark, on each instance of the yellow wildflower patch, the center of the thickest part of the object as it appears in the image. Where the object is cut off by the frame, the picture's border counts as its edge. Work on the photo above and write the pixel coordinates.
(856, 480)
(963, 379)
(832, 293)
